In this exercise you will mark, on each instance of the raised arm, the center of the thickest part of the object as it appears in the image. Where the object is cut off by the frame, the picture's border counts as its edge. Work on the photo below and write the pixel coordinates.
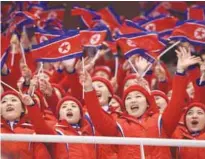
(102, 121)
(174, 109)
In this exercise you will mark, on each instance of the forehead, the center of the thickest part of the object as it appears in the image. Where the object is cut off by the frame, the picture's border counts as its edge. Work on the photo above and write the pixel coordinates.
(158, 97)
(196, 109)
(135, 93)
(99, 83)
(100, 71)
(67, 102)
(10, 96)
(130, 81)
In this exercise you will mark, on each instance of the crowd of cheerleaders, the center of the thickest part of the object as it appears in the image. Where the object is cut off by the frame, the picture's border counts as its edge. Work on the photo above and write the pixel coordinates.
(88, 98)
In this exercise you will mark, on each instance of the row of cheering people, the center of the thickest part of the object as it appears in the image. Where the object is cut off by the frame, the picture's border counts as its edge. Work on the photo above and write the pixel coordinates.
(140, 113)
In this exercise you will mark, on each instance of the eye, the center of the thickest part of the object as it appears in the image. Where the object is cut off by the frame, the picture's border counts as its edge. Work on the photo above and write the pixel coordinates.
(200, 113)
(189, 113)
(138, 96)
(13, 100)
(128, 98)
(3, 101)
(63, 106)
(74, 106)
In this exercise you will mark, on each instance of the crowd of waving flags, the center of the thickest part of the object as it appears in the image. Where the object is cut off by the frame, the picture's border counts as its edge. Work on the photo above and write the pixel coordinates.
(146, 35)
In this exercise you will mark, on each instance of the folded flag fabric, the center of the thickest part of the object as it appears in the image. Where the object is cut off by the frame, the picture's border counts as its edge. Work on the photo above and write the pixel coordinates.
(110, 18)
(112, 45)
(43, 35)
(86, 15)
(196, 13)
(129, 27)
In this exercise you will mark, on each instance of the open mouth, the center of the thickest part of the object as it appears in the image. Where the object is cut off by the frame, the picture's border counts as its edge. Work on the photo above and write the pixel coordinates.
(135, 108)
(69, 114)
(99, 94)
(194, 122)
(9, 109)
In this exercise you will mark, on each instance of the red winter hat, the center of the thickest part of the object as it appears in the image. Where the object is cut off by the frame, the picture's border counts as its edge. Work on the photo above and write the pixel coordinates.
(194, 104)
(152, 105)
(106, 82)
(161, 94)
(105, 69)
(68, 98)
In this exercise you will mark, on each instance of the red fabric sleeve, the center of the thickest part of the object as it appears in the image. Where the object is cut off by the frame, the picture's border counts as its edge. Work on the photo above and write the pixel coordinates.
(174, 110)
(64, 83)
(76, 88)
(121, 73)
(194, 74)
(102, 121)
(57, 76)
(39, 124)
(52, 101)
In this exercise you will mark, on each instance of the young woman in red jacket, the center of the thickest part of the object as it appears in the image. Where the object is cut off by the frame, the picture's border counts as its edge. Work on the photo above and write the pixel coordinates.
(70, 122)
(142, 118)
(194, 129)
(15, 121)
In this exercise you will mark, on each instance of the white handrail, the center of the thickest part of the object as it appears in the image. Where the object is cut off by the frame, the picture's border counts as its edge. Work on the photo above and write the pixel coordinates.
(102, 140)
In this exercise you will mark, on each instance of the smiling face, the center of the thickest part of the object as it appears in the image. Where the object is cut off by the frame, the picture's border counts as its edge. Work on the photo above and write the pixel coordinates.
(161, 103)
(195, 119)
(190, 90)
(70, 112)
(102, 92)
(11, 107)
(136, 104)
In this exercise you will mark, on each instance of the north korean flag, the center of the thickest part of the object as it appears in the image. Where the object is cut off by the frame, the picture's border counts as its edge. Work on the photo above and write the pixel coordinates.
(129, 27)
(163, 25)
(140, 43)
(58, 49)
(191, 31)
(93, 37)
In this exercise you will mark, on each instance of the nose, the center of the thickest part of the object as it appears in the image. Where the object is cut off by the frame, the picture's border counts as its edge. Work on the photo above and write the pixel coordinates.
(133, 101)
(9, 103)
(194, 116)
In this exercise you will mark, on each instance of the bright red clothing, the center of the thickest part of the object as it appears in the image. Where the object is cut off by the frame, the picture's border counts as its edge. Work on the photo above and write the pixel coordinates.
(61, 150)
(147, 126)
(23, 150)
